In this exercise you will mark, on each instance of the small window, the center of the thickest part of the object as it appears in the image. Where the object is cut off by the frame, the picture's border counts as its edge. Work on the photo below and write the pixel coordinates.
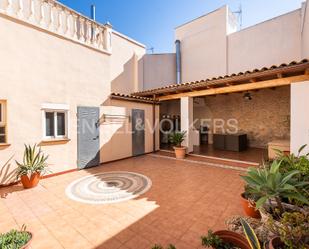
(55, 124)
(3, 124)
(60, 124)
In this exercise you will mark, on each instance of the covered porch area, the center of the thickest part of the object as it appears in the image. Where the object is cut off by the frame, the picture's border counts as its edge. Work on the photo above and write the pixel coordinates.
(241, 117)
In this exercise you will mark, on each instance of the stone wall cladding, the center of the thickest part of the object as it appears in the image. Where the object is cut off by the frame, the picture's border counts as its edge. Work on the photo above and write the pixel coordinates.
(264, 118)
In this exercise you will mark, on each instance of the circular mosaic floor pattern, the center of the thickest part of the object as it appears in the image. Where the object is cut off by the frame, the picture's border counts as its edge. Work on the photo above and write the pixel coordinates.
(109, 187)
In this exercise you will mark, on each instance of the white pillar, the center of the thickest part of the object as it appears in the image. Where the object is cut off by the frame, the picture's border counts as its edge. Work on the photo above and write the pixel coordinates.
(186, 112)
(299, 116)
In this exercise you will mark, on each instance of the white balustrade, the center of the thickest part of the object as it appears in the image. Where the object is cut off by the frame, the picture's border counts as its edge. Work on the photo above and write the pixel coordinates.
(57, 18)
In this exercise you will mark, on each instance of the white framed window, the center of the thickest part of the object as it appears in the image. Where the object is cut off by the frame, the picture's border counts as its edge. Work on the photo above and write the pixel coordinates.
(3, 122)
(55, 121)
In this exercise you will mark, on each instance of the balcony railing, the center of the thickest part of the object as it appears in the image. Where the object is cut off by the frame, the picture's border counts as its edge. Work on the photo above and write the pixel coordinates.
(61, 20)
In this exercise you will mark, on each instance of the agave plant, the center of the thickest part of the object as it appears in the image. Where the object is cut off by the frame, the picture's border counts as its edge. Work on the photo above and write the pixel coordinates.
(250, 235)
(34, 161)
(177, 138)
(269, 184)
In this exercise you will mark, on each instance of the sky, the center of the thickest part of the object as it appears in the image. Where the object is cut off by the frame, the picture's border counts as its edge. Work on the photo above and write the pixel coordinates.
(152, 22)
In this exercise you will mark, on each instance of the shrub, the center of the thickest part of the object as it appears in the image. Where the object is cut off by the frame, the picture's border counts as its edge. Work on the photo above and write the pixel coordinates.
(296, 162)
(177, 138)
(14, 239)
(293, 229)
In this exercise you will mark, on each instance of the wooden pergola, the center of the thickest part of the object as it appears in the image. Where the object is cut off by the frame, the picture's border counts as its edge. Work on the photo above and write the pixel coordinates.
(272, 77)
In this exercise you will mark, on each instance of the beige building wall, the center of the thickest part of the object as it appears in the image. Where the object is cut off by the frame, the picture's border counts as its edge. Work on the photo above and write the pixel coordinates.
(299, 116)
(305, 29)
(36, 68)
(116, 134)
(126, 67)
(159, 70)
(204, 46)
(269, 43)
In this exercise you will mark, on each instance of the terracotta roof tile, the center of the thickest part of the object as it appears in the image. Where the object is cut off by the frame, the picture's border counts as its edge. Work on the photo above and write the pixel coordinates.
(262, 72)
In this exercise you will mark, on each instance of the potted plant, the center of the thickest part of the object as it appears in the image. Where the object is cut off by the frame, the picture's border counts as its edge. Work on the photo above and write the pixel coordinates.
(33, 166)
(248, 203)
(292, 231)
(225, 240)
(272, 186)
(176, 139)
(16, 239)
(161, 247)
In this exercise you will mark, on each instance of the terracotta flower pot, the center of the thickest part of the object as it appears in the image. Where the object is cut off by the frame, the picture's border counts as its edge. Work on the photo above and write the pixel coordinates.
(275, 243)
(27, 246)
(234, 238)
(32, 182)
(249, 208)
(180, 152)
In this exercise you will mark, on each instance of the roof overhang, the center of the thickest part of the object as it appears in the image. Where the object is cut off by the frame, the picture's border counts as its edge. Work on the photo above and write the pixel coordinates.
(132, 98)
(275, 76)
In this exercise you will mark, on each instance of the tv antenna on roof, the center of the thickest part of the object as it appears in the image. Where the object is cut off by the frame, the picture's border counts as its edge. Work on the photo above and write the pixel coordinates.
(239, 15)
(151, 49)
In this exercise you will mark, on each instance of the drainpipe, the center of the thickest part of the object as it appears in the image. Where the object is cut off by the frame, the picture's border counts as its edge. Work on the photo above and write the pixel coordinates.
(92, 12)
(178, 62)
(154, 123)
(92, 15)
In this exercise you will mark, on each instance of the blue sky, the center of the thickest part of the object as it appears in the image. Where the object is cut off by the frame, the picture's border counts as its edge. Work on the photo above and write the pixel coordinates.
(152, 22)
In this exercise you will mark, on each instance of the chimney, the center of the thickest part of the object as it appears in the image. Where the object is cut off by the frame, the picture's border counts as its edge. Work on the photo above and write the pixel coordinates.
(178, 62)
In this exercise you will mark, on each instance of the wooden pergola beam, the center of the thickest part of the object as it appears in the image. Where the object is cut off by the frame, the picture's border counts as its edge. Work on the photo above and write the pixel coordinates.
(238, 88)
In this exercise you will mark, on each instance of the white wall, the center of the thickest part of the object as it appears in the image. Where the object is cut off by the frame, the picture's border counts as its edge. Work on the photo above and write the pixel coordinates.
(305, 30)
(269, 43)
(125, 66)
(204, 46)
(159, 70)
(299, 116)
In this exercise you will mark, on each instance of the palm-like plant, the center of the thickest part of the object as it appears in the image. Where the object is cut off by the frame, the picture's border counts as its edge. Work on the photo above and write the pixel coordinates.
(269, 184)
(34, 161)
(177, 138)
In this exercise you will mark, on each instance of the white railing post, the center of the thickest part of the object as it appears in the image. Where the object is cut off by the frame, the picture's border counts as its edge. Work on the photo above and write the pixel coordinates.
(108, 37)
(82, 29)
(9, 9)
(4, 4)
(47, 10)
(74, 26)
(20, 12)
(31, 17)
(94, 34)
(88, 32)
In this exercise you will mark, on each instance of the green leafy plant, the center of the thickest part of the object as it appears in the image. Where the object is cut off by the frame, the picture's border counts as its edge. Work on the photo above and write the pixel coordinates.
(268, 183)
(298, 162)
(161, 247)
(14, 239)
(293, 229)
(248, 195)
(250, 235)
(177, 138)
(34, 161)
(212, 240)
(294, 162)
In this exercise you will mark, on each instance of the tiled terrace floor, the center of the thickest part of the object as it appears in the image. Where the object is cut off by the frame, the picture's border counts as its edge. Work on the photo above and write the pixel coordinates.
(186, 199)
